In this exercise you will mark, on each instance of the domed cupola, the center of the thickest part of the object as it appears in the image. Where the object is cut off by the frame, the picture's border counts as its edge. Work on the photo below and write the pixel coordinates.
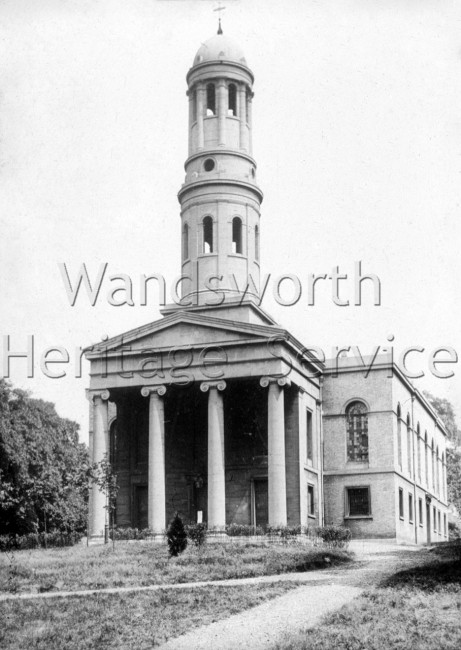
(220, 199)
(219, 48)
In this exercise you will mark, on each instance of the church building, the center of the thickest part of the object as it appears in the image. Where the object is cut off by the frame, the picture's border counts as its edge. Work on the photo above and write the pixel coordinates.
(218, 412)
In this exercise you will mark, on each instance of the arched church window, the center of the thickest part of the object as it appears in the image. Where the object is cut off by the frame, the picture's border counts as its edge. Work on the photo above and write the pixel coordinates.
(357, 432)
(437, 472)
(210, 99)
(418, 454)
(399, 435)
(185, 242)
(433, 464)
(232, 100)
(425, 459)
(237, 235)
(257, 243)
(409, 443)
(208, 235)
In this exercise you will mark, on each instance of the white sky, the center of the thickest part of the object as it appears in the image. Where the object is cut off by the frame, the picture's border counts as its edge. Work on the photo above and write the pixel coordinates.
(356, 134)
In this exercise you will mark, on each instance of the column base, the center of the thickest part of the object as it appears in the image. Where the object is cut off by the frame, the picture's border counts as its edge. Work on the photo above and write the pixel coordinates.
(156, 538)
(217, 535)
(96, 540)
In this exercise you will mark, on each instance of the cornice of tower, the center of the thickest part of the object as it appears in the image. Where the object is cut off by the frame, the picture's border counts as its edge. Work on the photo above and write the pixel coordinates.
(216, 151)
(189, 187)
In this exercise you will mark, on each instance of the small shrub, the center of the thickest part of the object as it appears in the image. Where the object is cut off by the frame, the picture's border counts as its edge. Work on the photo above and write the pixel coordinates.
(454, 532)
(197, 534)
(335, 536)
(129, 534)
(38, 540)
(286, 533)
(176, 536)
(243, 530)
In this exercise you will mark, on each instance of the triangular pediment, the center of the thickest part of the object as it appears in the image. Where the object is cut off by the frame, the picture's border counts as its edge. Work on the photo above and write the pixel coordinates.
(186, 329)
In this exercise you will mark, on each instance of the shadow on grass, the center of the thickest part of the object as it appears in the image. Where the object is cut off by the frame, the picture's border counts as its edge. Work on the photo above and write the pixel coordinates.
(443, 569)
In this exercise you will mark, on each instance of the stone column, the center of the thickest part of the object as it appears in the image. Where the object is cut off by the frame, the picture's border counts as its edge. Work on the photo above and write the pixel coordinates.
(200, 111)
(191, 96)
(98, 514)
(277, 490)
(216, 465)
(156, 508)
(250, 125)
(222, 112)
(242, 107)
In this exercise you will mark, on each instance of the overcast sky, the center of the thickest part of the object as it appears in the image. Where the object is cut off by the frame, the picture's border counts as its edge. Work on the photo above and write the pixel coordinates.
(356, 134)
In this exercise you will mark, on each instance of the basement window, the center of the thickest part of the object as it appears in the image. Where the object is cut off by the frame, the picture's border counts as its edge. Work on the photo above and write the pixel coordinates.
(401, 512)
(358, 503)
(310, 501)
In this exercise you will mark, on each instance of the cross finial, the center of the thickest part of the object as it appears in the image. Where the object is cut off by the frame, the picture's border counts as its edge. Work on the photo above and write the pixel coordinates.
(219, 8)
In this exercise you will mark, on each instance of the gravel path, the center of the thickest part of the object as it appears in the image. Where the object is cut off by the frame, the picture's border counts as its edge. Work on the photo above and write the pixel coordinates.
(260, 627)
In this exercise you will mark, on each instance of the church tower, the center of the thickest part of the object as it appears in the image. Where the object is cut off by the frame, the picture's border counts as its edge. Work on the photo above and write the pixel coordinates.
(220, 199)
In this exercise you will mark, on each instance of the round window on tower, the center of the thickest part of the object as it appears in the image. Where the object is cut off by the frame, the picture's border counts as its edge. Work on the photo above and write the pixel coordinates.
(209, 165)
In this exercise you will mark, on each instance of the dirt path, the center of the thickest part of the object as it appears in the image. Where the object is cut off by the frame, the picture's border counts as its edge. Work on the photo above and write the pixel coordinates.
(261, 627)
(373, 562)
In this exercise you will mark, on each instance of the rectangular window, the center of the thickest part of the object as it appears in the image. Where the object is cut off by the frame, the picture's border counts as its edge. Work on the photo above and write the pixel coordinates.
(410, 508)
(310, 501)
(439, 519)
(309, 440)
(358, 502)
(420, 511)
(434, 517)
(400, 503)
(445, 524)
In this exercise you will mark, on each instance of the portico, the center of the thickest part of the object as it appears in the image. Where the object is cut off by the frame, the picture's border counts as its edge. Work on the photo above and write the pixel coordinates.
(197, 444)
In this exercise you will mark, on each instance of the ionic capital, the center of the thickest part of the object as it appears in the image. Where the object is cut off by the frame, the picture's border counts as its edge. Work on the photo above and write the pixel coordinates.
(146, 391)
(206, 385)
(91, 395)
(281, 381)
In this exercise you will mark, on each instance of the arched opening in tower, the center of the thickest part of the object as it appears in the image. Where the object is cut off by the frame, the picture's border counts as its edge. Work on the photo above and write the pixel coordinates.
(208, 235)
(237, 235)
(210, 100)
(232, 100)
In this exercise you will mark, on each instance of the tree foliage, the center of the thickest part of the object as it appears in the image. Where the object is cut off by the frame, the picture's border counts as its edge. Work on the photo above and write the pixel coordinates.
(176, 536)
(445, 411)
(43, 467)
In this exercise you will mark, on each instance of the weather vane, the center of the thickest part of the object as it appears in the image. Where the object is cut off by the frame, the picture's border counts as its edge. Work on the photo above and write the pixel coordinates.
(219, 8)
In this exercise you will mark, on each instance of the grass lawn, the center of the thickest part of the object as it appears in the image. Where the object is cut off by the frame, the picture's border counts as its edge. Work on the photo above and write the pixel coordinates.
(136, 620)
(416, 609)
(138, 563)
